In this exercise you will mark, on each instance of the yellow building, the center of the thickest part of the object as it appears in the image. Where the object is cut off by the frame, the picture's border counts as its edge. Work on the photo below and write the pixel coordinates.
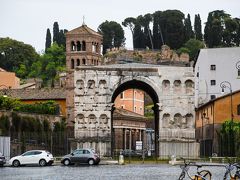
(31, 96)
(210, 117)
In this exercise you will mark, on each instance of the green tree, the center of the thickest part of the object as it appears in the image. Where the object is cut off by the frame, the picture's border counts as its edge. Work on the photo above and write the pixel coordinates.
(14, 53)
(194, 45)
(198, 28)
(50, 64)
(130, 22)
(158, 40)
(169, 25)
(213, 32)
(113, 34)
(22, 71)
(56, 33)
(188, 28)
(48, 40)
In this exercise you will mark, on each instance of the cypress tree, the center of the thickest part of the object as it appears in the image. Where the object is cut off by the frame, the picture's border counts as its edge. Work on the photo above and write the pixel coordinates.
(56, 33)
(188, 28)
(48, 40)
(198, 28)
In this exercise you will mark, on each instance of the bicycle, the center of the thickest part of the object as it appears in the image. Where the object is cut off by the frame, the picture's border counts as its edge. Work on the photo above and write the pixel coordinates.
(200, 175)
(232, 171)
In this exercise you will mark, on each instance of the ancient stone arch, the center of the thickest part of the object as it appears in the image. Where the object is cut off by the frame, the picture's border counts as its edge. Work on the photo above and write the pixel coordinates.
(104, 83)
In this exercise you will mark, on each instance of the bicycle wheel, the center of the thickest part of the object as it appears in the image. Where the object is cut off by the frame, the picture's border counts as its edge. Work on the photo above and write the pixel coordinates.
(233, 174)
(182, 176)
(206, 175)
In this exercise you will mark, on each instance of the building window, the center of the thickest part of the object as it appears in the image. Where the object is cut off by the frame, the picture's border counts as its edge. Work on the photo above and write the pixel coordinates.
(238, 72)
(121, 95)
(238, 109)
(213, 67)
(213, 82)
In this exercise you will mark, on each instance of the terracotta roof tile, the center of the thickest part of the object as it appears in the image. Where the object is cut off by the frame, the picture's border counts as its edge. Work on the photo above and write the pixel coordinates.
(84, 30)
(37, 94)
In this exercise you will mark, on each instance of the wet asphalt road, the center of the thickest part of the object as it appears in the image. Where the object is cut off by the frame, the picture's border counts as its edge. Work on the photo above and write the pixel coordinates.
(101, 172)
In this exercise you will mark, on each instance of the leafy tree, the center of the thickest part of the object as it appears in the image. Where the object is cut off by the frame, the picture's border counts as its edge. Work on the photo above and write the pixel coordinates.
(138, 39)
(130, 22)
(48, 40)
(230, 32)
(8, 103)
(237, 36)
(113, 34)
(157, 31)
(50, 64)
(188, 28)
(145, 21)
(170, 25)
(198, 28)
(22, 71)
(194, 45)
(214, 28)
(13, 54)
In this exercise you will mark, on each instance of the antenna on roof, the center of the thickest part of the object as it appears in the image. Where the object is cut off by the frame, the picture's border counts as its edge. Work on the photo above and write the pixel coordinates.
(83, 21)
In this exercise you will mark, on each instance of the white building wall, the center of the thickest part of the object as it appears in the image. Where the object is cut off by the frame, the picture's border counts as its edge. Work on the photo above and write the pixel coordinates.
(225, 60)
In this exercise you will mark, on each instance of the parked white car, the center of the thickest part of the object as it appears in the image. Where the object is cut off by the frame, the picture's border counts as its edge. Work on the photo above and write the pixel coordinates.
(40, 157)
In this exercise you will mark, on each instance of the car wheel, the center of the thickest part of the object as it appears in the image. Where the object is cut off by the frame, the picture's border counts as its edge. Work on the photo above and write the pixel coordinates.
(91, 162)
(42, 162)
(16, 163)
(66, 162)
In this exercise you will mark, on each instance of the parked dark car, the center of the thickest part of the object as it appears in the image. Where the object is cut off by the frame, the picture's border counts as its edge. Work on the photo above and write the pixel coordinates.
(2, 159)
(81, 156)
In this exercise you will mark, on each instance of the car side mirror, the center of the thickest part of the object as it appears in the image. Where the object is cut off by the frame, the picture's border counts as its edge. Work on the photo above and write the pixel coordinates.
(72, 154)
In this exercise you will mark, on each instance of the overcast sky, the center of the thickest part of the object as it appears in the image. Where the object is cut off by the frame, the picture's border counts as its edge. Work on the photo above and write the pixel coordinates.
(28, 20)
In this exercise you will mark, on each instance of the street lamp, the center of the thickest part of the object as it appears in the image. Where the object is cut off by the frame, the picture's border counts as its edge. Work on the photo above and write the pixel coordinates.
(238, 67)
(224, 85)
(203, 141)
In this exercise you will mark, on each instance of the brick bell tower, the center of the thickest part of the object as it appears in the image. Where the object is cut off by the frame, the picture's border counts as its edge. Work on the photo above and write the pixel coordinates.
(83, 48)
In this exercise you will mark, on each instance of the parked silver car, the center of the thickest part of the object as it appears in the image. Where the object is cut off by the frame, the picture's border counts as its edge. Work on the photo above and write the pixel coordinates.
(87, 156)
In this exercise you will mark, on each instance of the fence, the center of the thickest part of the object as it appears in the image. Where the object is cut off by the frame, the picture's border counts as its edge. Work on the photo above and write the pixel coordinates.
(58, 143)
(5, 146)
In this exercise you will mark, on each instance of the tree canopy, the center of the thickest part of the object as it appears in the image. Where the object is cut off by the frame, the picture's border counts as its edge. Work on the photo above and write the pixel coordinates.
(16, 56)
(113, 34)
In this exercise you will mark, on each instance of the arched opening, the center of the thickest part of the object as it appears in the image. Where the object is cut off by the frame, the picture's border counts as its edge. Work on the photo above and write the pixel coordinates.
(84, 61)
(189, 86)
(72, 46)
(83, 46)
(78, 62)
(72, 64)
(78, 46)
(130, 138)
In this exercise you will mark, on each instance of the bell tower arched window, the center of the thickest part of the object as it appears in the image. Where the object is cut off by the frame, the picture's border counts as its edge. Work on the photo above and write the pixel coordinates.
(78, 46)
(72, 64)
(72, 46)
(84, 61)
(83, 46)
(78, 62)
